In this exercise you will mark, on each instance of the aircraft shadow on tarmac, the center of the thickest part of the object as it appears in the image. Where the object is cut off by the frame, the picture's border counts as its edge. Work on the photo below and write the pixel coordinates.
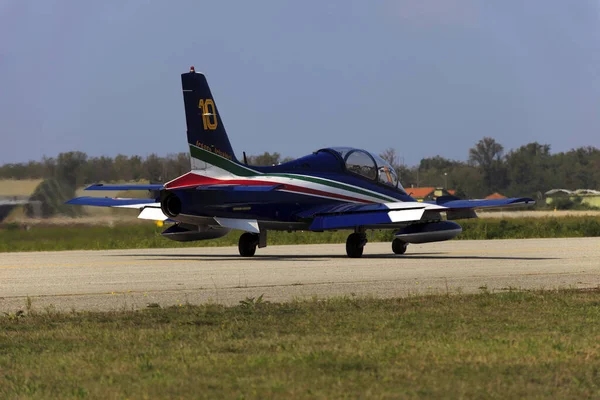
(317, 257)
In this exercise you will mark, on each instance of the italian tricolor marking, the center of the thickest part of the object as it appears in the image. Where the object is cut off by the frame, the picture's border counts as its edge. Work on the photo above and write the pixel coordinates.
(221, 171)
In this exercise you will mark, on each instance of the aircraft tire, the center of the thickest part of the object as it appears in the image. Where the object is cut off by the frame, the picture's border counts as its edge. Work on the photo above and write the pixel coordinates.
(247, 244)
(355, 244)
(398, 246)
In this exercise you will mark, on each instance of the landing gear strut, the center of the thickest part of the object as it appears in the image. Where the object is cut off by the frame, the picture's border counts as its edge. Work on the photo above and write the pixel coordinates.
(355, 244)
(398, 246)
(247, 244)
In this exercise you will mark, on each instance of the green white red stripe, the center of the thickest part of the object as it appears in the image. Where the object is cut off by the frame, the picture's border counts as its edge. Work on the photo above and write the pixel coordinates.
(210, 169)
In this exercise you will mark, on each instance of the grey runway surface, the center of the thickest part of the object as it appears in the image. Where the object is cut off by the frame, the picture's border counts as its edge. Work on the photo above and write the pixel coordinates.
(132, 279)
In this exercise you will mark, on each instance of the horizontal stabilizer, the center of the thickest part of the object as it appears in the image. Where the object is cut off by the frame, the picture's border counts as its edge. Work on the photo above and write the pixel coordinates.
(112, 202)
(101, 186)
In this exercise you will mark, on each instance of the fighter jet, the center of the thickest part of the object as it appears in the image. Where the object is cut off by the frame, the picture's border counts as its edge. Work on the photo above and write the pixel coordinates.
(334, 188)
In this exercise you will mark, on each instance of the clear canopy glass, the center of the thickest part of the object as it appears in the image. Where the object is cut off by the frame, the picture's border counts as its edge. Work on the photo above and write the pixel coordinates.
(385, 172)
(369, 165)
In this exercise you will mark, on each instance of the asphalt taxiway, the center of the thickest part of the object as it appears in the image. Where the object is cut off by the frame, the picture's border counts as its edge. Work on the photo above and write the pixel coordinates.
(133, 279)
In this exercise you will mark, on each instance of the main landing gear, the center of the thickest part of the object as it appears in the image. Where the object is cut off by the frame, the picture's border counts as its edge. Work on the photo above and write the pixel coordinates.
(247, 244)
(250, 241)
(398, 246)
(355, 244)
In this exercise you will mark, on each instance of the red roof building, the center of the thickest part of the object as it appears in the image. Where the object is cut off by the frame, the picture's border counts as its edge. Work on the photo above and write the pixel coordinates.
(428, 193)
(495, 196)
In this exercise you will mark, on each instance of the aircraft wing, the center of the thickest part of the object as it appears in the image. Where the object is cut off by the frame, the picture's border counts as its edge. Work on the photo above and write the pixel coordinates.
(346, 216)
(149, 208)
(350, 215)
(457, 204)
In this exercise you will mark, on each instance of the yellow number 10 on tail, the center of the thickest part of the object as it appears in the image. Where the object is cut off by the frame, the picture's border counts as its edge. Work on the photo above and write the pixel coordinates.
(209, 114)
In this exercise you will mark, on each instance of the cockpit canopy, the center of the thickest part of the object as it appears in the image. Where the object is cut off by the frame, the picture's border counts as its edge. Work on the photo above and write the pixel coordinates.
(369, 165)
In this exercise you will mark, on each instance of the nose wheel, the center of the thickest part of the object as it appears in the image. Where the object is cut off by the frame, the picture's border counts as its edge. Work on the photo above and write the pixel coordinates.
(247, 244)
(398, 246)
(355, 245)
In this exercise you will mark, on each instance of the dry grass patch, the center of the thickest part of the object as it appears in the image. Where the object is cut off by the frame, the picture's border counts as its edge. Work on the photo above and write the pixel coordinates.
(12, 187)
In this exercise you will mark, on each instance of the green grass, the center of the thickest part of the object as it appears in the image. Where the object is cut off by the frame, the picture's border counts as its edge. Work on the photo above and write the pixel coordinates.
(14, 237)
(509, 345)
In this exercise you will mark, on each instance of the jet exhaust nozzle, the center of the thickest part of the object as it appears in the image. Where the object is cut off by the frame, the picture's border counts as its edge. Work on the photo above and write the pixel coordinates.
(170, 204)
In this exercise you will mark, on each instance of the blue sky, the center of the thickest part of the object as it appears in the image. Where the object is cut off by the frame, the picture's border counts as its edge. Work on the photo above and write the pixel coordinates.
(424, 77)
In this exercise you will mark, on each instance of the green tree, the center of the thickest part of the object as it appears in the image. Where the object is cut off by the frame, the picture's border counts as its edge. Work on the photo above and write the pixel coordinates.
(153, 169)
(69, 168)
(49, 199)
(437, 163)
(265, 159)
(467, 181)
(435, 171)
(122, 168)
(136, 167)
(529, 169)
(175, 165)
(487, 155)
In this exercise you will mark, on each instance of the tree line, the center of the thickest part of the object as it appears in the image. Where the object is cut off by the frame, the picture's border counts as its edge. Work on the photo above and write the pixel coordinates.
(75, 168)
(529, 170)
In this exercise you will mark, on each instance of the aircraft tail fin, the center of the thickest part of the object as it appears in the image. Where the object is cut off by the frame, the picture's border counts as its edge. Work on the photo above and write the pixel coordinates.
(205, 129)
